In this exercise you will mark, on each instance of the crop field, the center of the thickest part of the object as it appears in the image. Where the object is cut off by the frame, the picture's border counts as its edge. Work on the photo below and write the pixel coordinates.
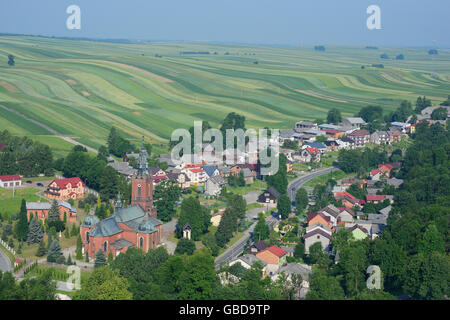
(82, 88)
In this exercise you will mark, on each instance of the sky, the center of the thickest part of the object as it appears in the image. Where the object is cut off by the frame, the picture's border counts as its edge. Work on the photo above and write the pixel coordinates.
(411, 23)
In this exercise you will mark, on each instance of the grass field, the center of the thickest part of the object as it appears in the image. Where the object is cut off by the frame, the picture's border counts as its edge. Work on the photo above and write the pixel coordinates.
(11, 204)
(82, 88)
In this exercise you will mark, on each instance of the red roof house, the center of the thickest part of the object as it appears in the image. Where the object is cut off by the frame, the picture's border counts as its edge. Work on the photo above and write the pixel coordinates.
(10, 181)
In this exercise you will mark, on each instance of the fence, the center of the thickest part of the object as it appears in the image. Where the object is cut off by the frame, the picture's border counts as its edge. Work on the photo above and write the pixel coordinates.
(8, 247)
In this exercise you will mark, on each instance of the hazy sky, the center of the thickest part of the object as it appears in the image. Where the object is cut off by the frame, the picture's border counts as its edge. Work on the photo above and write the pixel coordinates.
(293, 22)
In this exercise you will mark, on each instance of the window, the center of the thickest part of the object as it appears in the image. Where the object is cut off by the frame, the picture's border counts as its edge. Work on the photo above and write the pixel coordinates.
(105, 246)
(87, 236)
(139, 191)
(141, 242)
(318, 237)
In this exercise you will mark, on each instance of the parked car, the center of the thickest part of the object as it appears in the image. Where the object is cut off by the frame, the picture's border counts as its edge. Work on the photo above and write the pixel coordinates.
(29, 181)
(40, 184)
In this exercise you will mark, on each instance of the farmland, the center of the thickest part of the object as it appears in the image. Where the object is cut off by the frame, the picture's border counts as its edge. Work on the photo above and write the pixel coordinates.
(82, 88)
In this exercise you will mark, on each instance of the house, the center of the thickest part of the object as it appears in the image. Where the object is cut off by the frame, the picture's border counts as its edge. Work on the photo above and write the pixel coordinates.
(302, 270)
(210, 171)
(346, 215)
(181, 178)
(248, 176)
(425, 114)
(379, 137)
(318, 145)
(155, 171)
(41, 210)
(354, 123)
(348, 200)
(319, 217)
(346, 143)
(123, 168)
(332, 212)
(320, 226)
(247, 261)
(135, 226)
(333, 133)
(224, 171)
(305, 125)
(274, 256)
(10, 181)
(214, 185)
(332, 145)
(359, 232)
(65, 189)
(360, 137)
(375, 198)
(127, 157)
(290, 250)
(309, 154)
(394, 135)
(196, 174)
(394, 182)
(258, 246)
(317, 235)
(376, 175)
(270, 195)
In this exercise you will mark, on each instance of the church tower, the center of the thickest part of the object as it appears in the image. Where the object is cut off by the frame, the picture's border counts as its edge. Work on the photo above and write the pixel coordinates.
(142, 185)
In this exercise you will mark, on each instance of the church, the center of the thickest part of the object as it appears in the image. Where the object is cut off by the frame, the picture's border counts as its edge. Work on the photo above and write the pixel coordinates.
(135, 226)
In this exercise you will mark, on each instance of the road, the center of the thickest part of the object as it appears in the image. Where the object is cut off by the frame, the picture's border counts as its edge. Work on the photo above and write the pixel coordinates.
(5, 263)
(298, 183)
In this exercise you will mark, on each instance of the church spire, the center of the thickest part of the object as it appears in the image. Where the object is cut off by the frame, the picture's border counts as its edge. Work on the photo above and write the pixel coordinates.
(143, 160)
(119, 201)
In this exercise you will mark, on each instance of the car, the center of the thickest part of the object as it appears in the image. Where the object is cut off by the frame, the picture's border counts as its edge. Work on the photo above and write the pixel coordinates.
(40, 184)
(29, 181)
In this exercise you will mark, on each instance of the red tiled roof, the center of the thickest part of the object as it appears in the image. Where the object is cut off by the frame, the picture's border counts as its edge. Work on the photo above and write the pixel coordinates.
(359, 133)
(157, 178)
(62, 183)
(13, 177)
(277, 251)
(196, 170)
(374, 172)
(375, 197)
(312, 150)
(387, 166)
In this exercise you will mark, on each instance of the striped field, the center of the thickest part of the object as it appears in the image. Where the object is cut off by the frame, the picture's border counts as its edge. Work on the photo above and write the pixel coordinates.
(82, 88)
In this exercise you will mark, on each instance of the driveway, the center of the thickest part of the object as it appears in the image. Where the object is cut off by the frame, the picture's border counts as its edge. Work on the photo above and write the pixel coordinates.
(252, 196)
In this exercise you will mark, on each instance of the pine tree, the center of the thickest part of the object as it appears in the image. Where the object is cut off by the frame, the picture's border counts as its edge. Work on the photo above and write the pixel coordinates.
(110, 258)
(35, 232)
(69, 260)
(11, 242)
(19, 249)
(22, 224)
(54, 252)
(79, 252)
(66, 233)
(53, 214)
(42, 250)
(100, 259)
(49, 239)
(87, 257)
(73, 232)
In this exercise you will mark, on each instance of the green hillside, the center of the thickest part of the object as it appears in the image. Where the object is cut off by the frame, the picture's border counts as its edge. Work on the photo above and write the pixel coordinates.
(82, 88)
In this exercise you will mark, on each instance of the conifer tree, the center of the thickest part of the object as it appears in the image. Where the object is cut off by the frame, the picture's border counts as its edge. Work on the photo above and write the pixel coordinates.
(110, 258)
(79, 254)
(22, 224)
(87, 257)
(54, 252)
(35, 232)
(42, 250)
(53, 214)
(100, 259)
(66, 233)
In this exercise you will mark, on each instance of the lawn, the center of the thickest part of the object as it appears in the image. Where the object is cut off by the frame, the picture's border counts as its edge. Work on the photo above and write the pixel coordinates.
(255, 186)
(11, 204)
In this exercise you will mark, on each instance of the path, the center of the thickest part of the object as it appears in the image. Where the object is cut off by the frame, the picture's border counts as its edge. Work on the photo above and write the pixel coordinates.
(299, 182)
(56, 133)
(5, 263)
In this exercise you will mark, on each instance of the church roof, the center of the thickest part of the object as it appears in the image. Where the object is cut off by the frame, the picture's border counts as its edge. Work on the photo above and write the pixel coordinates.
(106, 228)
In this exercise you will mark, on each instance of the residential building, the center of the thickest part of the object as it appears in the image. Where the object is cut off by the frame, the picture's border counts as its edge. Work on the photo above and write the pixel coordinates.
(360, 137)
(354, 123)
(317, 235)
(65, 189)
(274, 256)
(270, 195)
(214, 184)
(10, 181)
(379, 137)
(41, 210)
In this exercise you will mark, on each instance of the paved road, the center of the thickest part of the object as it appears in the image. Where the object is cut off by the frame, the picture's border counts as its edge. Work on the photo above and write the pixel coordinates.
(297, 184)
(5, 263)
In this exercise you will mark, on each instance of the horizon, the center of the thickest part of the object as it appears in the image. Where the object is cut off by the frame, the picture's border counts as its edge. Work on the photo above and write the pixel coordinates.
(412, 24)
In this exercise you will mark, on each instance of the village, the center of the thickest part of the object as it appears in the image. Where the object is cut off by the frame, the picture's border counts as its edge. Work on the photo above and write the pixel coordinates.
(359, 204)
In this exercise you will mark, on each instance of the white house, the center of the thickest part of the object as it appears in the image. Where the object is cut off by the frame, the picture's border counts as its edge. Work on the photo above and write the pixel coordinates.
(10, 181)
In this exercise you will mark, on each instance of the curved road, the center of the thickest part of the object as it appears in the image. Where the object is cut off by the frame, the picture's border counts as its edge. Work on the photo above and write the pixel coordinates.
(5, 263)
(298, 183)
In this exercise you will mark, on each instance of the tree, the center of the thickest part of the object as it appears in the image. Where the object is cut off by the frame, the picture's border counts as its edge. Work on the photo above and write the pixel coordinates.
(299, 250)
(109, 183)
(324, 287)
(54, 251)
(432, 241)
(439, 114)
(284, 206)
(35, 234)
(100, 259)
(79, 252)
(194, 214)
(104, 283)
(54, 218)
(166, 194)
(301, 199)
(11, 61)
(185, 246)
(334, 116)
(226, 228)
(421, 104)
(22, 224)
(261, 231)
(110, 258)
(371, 113)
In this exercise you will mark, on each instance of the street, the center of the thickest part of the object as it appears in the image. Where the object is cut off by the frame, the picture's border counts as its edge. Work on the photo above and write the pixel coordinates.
(298, 183)
(5, 263)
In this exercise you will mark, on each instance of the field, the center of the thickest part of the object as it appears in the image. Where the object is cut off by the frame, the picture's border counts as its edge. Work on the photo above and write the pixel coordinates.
(11, 204)
(81, 88)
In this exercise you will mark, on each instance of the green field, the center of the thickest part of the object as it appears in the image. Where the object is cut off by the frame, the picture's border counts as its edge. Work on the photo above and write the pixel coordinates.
(82, 88)
(11, 204)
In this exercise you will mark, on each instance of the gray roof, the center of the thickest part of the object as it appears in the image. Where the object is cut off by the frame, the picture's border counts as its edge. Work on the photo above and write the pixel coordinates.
(372, 190)
(122, 243)
(287, 133)
(123, 168)
(386, 210)
(106, 228)
(218, 180)
(296, 268)
(288, 249)
(39, 205)
(394, 182)
(247, 173)
(250, 259)
(91, 220)
(355, 120)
